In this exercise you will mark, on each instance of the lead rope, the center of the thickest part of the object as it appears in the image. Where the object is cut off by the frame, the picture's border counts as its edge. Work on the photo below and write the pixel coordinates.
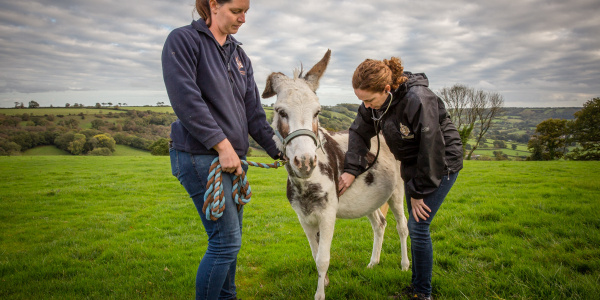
(214, 202)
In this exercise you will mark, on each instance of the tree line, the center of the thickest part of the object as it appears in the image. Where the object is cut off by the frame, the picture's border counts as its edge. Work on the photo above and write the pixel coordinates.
(553, 136)
(473, 112)
(143, 130)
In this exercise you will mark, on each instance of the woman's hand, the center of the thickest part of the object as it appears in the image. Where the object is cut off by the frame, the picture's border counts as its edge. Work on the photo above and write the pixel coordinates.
(230, 162)
(345, 182)
(419, 208)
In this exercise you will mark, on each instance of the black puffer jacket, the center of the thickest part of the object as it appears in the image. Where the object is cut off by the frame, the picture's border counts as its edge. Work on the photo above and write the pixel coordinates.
(419, 132)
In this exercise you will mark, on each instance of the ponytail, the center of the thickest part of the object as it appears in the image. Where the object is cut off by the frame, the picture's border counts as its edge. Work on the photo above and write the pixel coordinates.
(373, 75)
(395, 65)
(203, 8)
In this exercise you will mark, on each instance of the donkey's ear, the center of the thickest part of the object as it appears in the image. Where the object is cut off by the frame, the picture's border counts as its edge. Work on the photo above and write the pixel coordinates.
(272, 86)
(313, 76)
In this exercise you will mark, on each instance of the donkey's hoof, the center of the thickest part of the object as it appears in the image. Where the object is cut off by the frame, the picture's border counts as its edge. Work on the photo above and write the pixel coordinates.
(372, 264)
(405, 265)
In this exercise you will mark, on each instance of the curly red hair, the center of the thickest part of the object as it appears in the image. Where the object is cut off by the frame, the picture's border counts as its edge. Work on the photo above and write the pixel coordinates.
(373, 75)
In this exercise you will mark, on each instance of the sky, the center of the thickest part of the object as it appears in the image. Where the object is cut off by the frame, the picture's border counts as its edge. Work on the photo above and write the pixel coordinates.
(534, 53)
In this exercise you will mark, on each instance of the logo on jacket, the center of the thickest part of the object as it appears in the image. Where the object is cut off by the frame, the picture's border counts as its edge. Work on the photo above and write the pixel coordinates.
(405, 132)
(240, 65)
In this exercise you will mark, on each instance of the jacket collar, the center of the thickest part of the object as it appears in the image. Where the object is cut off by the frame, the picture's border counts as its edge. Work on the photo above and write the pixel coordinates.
(200, 26)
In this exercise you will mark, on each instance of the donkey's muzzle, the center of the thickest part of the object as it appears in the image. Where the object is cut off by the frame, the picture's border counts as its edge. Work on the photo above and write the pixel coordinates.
(305, 164)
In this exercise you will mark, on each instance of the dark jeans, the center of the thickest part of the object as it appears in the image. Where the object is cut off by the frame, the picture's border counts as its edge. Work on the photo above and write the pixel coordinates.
(215, 278)
(421, 248)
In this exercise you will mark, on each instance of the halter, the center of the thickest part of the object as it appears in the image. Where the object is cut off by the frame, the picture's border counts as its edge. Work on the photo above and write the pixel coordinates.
(300, 132)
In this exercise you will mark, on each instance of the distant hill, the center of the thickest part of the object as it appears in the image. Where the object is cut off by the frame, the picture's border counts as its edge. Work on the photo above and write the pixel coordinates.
(140, 127)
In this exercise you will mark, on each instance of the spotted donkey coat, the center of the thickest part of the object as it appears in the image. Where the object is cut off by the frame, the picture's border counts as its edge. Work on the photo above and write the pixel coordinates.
(316, 165)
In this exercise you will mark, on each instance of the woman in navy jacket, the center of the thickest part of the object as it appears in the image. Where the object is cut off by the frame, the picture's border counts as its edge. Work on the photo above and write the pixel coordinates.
(418, 130)
(210, 83)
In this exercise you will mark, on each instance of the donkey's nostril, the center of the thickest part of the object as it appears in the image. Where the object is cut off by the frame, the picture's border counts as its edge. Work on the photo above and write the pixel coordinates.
(297, 162)
(313, 161)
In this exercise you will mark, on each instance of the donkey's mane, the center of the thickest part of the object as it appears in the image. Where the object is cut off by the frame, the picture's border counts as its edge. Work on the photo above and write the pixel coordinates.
(298, 73)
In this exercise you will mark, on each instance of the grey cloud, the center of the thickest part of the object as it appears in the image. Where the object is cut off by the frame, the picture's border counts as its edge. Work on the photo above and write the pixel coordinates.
(533, 52)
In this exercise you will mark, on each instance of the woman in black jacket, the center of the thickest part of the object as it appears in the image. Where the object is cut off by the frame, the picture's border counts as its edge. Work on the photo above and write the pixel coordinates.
(418, 130)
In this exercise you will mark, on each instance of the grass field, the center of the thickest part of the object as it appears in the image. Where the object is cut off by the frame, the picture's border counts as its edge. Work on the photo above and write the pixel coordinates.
(74, 227)
(122, 150)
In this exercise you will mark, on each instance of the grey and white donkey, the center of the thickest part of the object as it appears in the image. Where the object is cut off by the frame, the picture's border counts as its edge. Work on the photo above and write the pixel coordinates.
(316, 161)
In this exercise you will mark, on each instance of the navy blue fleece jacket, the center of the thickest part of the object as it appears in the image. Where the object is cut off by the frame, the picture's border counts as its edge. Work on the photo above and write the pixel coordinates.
(213, 98)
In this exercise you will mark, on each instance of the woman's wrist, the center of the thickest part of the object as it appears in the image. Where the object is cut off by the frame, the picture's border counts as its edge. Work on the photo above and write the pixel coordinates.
(223, 145)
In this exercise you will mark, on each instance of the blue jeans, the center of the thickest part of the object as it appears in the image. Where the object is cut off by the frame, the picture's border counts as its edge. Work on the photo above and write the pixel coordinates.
(215, 278)
(421, 248)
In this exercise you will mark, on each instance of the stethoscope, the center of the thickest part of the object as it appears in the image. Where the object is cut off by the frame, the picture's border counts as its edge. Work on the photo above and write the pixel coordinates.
(377, 122)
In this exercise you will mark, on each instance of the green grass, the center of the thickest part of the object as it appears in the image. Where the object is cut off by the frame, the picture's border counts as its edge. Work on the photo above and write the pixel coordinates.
(122, 150)
(74, 227)
(521, 150)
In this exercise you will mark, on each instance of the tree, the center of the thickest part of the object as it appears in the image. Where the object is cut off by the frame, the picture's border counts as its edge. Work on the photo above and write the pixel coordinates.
(160, 147)
(537, 150)
(97, 123)
(98, 105)
(471, 109)
(488, 106)
(67, 105)
(514, 146)
(499, 144)
(71, 123)
(33, 104)
(101, 151)
(77, 145)
(105, 141)
(459, 104)
(586, 131)
(8, 147)
(500, 156)
(550, 135)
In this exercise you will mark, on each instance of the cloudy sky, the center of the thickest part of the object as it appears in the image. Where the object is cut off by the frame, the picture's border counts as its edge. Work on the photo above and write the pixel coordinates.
(535, 53)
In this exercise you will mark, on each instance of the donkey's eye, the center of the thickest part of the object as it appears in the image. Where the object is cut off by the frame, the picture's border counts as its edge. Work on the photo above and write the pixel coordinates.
(282, 114)
(317, 114)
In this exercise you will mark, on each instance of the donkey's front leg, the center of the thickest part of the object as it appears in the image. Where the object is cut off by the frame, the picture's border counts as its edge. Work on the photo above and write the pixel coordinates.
(312, 235)
(326, 228)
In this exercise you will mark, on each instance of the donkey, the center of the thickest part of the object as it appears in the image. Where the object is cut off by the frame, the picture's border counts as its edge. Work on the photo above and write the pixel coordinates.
(316, 159)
